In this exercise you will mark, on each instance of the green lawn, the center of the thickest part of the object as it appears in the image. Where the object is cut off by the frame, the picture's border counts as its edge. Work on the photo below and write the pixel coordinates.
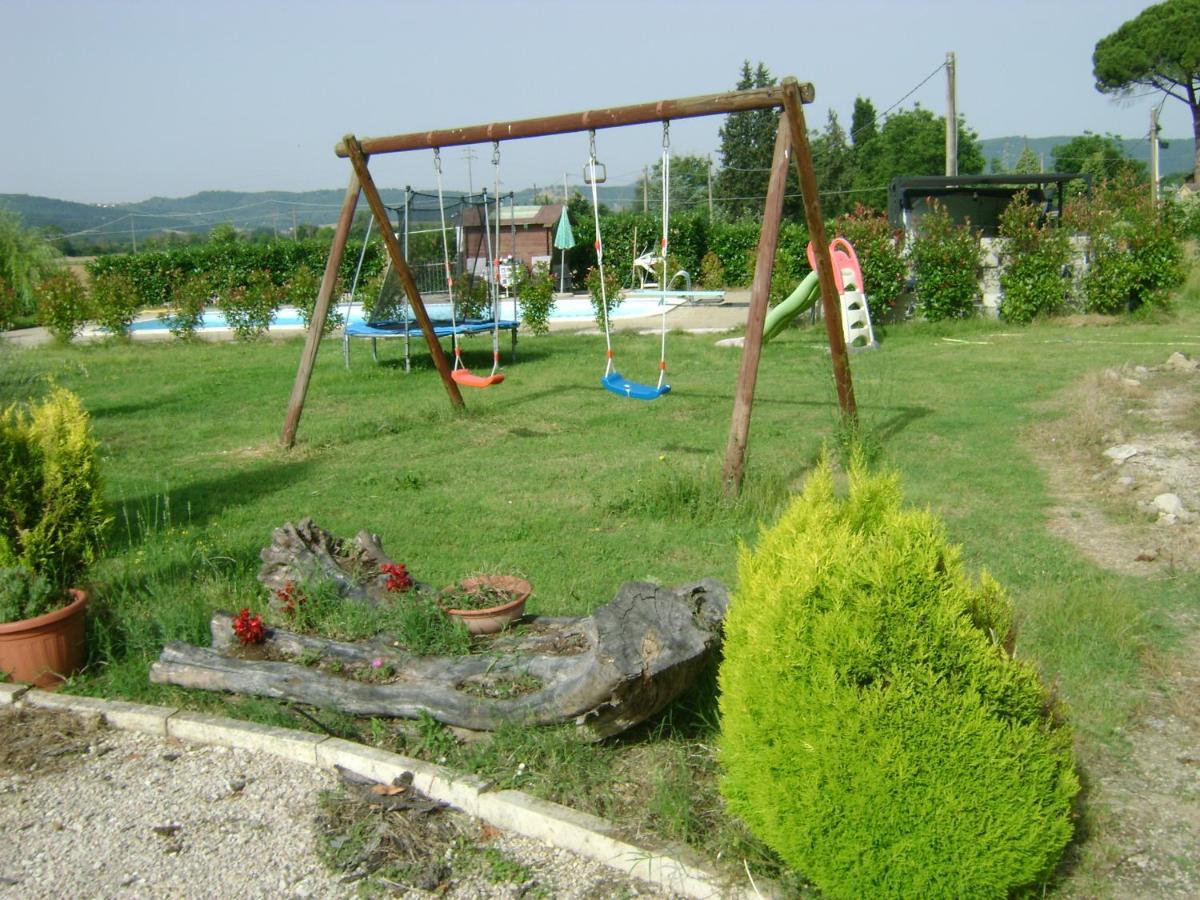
(550, 476)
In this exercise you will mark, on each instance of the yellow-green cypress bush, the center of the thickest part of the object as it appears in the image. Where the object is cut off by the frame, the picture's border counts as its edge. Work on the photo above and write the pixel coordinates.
(52, 516)
(876, 731)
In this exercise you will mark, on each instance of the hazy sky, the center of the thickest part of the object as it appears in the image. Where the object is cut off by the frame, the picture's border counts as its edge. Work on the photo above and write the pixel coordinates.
(115, 101)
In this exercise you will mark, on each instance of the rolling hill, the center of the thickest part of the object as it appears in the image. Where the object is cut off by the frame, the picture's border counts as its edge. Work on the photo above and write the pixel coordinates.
(1175, 158)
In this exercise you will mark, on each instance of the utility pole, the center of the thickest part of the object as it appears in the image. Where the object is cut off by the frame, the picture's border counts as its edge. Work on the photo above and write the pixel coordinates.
(132, 233)
(645, 189)
(1154, 155)
(951, 118)
(295, 227)
(469, 155)
(710, 186)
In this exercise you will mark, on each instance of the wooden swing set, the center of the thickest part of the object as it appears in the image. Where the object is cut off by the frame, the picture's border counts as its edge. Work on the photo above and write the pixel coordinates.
(791, 140)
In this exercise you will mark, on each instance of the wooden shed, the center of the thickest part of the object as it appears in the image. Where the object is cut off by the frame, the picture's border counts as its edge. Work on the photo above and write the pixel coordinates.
(534, 228)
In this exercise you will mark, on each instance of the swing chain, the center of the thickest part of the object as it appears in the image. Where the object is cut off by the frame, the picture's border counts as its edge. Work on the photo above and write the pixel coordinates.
(495, 153)
(437, 160)
(592, 143)
(666, 134)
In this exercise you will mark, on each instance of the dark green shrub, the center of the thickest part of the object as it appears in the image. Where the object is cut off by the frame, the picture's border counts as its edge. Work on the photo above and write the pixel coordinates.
(185, 309)
(1189, 216)
(115, 302)
(735, 245)
(791, 260)
(880, 252)
(250, 310)
(301, 291)
(230, 262)
(472, 298)
(1034, 254)
(612, 286)
(52, 517)
(536, 293)
(712, 273)
(62, 304)
(876, 731)
(8, 305)
(945, 263)
(1134, 255)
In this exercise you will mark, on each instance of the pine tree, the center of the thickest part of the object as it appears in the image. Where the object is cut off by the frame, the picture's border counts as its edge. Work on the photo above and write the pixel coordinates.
(747, 145)
(833, 165)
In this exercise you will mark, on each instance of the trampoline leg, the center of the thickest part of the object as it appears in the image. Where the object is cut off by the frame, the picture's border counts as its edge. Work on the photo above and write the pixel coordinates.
(375, 350)
(513, 355)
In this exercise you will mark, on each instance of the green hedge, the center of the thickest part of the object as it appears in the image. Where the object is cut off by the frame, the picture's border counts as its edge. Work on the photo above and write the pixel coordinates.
(1135, 257)
(231, 264)
(876, 731)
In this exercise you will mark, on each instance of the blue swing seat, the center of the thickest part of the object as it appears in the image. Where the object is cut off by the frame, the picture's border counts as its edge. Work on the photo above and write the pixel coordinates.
(621, 386)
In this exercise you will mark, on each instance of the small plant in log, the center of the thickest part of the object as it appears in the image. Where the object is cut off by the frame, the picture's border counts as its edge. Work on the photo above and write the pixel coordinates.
(483, 596)
(249, 628)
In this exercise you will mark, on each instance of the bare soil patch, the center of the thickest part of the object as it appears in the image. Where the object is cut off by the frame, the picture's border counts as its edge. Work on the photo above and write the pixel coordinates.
(1129, 443)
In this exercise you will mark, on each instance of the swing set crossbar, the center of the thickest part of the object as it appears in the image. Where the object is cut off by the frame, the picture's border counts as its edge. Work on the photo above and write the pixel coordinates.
(591, 120)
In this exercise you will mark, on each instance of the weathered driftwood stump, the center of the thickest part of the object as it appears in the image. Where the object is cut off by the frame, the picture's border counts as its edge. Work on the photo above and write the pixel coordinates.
(605, 672)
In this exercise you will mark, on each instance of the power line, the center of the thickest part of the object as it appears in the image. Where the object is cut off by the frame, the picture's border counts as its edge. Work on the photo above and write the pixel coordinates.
(922, 83)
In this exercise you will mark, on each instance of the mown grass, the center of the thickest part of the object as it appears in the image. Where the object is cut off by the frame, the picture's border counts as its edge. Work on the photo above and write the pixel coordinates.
(550, 476)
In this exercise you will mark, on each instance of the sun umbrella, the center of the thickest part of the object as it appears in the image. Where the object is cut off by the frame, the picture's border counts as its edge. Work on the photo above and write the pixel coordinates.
(564, 240)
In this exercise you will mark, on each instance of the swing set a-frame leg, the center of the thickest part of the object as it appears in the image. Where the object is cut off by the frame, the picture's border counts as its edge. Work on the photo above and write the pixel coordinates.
(400, 266)
(791, 139)
(316, 326)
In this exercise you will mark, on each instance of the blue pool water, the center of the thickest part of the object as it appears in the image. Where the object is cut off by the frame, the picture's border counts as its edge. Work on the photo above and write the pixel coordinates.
(568, 309)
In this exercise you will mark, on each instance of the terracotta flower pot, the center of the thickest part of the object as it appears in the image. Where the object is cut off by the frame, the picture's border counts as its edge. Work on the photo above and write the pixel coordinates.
(495, 618)
(45, 650)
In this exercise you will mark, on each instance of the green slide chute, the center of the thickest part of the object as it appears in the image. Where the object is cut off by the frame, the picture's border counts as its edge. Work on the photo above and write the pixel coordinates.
(799, 301)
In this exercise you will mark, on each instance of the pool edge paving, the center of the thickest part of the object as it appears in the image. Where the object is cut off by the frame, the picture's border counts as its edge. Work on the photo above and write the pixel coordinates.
(672, 868)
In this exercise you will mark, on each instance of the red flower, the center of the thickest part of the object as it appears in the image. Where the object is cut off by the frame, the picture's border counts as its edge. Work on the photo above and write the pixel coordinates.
(399, 580)
(289, 598)
(249, 629)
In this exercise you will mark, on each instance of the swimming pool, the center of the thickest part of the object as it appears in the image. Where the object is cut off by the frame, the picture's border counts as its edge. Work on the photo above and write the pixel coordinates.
(566, 309)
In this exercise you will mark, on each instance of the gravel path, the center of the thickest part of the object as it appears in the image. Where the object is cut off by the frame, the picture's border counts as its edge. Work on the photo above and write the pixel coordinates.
(120, 814)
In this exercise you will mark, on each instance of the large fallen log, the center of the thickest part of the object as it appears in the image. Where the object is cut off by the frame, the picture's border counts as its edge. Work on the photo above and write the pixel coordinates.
(605, 672)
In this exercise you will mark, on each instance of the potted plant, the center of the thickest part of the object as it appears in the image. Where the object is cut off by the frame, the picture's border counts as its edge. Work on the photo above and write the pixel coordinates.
(486, 604)
(52, 524)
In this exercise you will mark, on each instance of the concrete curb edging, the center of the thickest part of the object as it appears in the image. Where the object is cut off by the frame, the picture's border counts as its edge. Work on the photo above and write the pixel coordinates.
(674, 868)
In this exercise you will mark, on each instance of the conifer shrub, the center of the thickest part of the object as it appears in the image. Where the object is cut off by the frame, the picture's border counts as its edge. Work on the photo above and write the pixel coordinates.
(875, 730)
(52, 516)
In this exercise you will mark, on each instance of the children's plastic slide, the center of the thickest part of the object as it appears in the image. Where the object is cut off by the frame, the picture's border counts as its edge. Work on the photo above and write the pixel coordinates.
(799, 301)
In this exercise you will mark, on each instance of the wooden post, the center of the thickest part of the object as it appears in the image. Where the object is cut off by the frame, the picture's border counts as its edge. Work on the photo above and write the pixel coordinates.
(320, 312)
(743, 398)
(400, 266)
(831, 306)
(951, 118)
